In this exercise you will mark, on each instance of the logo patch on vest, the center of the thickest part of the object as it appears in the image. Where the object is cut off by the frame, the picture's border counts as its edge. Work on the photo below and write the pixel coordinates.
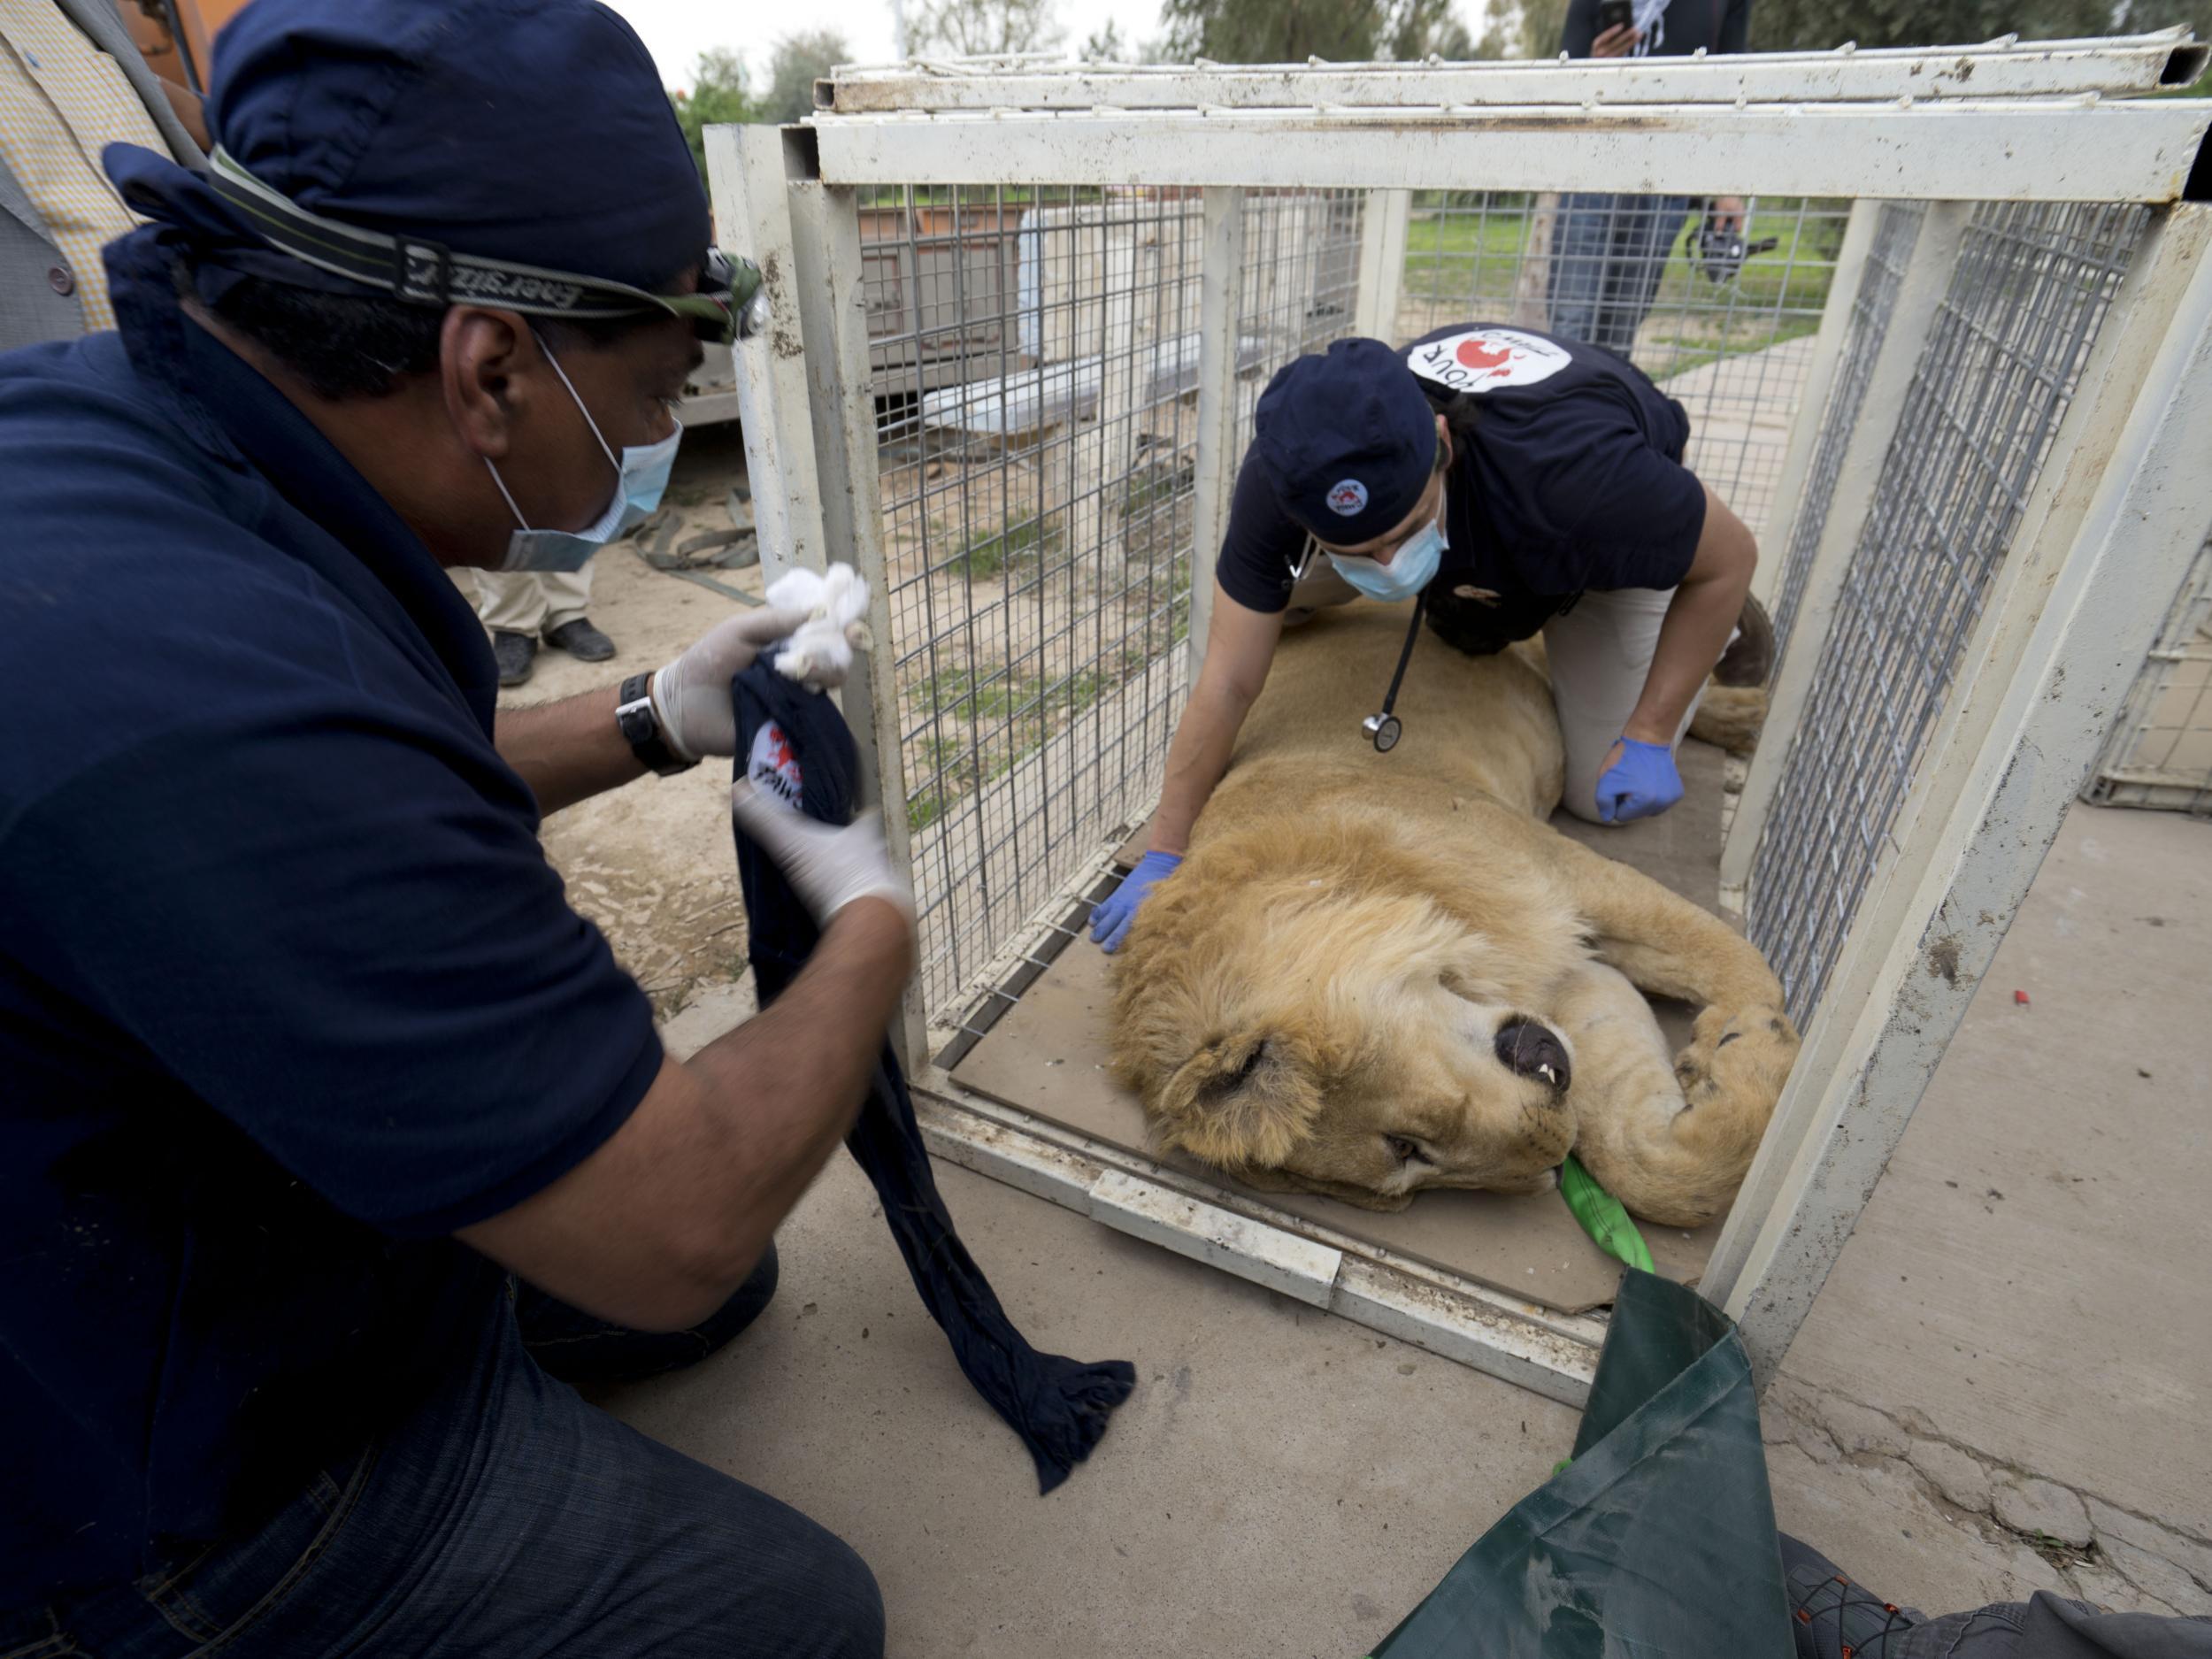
(1484, 359)
(772, 766)
(1347, 496)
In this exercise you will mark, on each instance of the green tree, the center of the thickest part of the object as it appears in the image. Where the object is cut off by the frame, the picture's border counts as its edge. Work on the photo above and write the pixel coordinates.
(966, 27)
(717, 94)
(799, 61)
(1420, 28)
(1290, 31)
(1812, 25)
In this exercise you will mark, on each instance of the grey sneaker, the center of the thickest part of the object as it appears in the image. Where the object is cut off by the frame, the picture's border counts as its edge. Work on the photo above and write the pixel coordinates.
(515, 653)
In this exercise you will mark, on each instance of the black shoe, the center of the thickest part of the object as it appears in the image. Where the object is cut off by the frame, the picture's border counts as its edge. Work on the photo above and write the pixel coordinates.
(514, 653)
(581, 640)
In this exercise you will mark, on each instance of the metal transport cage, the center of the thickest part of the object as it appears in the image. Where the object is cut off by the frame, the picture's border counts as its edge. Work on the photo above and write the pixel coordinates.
(1022, 312)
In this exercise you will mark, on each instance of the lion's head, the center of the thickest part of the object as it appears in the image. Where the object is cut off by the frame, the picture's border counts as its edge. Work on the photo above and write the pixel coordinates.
(1324, 1007)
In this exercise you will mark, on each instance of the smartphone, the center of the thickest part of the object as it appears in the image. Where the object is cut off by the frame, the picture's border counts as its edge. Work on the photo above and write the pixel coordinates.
(1616, 14)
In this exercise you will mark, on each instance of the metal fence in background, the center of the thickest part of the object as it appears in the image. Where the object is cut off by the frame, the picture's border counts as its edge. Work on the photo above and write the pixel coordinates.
(1623, 273)
(2030, 290)
(1035, 359)
(2161, 752)
(1896, 228)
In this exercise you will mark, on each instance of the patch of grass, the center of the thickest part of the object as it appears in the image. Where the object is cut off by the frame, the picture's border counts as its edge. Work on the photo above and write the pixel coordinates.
(957, 694)
(1025, 541)
(988, 723)
(925, 809)
(1472, 261)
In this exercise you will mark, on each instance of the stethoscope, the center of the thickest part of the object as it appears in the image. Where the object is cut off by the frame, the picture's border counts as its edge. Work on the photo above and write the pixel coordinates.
(1384, 728)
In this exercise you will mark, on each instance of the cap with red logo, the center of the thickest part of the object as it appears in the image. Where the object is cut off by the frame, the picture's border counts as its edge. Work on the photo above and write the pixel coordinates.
(1347, 440)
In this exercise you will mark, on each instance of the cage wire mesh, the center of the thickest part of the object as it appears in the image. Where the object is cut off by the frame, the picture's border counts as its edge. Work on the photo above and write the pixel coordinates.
(1896, 231)
(1623, 273)
(1033, 354)
(2032, 286)
(2159, 754)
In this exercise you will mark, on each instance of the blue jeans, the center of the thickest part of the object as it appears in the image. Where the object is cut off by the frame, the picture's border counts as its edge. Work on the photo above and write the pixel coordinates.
(1607, 253)
(503, 1517)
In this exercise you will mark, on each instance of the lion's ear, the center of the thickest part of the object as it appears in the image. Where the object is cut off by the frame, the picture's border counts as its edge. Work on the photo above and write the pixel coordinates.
(1245, 1098)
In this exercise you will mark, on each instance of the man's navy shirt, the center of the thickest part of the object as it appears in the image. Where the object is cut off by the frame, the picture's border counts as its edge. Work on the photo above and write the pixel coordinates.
(1571, 478)
(288, 990)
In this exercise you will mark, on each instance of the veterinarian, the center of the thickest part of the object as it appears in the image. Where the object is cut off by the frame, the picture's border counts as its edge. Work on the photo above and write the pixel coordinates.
(1512, 482)
(331, 1136)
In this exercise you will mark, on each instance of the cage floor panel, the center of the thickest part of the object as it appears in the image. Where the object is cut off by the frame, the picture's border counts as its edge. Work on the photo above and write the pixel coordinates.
(1047, 1056)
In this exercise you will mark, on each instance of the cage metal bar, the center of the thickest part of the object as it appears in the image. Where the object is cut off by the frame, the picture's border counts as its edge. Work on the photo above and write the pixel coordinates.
(1382, 262)
(1221, 277)
(745, 179)
(2028, 294)
(1913, 310)
(1043, 344)
(1813, 400)
(2000, 68)
(2115, 521)
(833, 317)
(2159, 754)
(1896, 228)
(1995, 149)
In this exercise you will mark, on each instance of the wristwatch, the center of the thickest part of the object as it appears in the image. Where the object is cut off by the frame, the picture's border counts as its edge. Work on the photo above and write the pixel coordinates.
(634, 714)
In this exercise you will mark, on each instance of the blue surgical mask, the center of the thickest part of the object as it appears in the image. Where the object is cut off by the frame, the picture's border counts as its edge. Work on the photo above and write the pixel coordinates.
(1411, 568)
(641, 477)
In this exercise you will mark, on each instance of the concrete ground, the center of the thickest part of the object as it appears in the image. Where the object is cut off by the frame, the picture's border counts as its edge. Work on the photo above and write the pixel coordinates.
(2001, 1388)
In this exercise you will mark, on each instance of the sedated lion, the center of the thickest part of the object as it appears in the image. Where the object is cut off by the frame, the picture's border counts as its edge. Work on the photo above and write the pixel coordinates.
(1376, 973)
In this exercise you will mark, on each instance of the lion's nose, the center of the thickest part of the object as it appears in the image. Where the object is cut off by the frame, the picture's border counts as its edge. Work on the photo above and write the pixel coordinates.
(1528, 1049)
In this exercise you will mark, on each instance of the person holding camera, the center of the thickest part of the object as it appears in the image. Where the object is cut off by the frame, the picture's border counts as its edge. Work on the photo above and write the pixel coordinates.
(1609, 249)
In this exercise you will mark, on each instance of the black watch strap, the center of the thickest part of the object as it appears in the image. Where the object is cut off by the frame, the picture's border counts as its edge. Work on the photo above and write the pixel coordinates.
(634, 714)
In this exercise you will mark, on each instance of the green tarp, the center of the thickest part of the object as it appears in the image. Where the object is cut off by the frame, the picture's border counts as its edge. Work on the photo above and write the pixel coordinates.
(1658, 1538)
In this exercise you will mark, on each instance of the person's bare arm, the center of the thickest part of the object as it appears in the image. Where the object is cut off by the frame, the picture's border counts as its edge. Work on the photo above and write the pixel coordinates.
(1239, 645)
(1697, 625)
(567, 751)
(570, 750)
(659, 1227)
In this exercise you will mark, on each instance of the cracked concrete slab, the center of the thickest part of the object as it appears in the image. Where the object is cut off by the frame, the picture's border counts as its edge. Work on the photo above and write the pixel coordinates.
(2029, 1281)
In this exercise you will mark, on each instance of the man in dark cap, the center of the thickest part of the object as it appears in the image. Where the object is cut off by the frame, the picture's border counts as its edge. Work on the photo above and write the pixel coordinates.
(324, 1113)
(1508, 483)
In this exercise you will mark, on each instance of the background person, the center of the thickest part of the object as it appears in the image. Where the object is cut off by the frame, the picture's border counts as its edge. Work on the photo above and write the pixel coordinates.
(1516, 483)
(521, 607)
(72, 83)
(1609, 249)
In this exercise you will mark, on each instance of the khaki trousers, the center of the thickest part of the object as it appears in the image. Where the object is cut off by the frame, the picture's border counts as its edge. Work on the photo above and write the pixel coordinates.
(530, 602)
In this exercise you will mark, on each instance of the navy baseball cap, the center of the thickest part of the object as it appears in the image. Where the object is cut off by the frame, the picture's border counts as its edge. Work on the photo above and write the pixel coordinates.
(1347, 439)
(517, 152)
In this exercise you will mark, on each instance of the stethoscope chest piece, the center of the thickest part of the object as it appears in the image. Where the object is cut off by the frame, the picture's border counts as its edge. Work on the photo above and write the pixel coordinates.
(1384, 729)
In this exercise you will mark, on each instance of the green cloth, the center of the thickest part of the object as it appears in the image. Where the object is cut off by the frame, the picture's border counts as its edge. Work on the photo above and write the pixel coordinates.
(1602, 1216)
(1658, 1539)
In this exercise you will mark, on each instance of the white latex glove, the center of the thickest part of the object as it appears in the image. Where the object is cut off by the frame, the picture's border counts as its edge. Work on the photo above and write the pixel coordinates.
(691, 696)
(829, 867)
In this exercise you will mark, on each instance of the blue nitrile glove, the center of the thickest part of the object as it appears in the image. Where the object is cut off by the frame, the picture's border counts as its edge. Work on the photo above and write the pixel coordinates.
(1642, 783)
(1110, 918)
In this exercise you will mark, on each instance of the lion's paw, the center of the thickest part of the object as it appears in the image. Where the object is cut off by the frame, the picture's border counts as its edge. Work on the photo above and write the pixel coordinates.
(1739, 1058)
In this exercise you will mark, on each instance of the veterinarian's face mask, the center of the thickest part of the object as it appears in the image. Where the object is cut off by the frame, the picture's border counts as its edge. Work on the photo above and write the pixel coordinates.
(1411, 568)
(641, 477)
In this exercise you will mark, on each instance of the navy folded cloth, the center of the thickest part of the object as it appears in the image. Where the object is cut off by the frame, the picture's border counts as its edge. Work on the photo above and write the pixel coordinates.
(794, 743)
